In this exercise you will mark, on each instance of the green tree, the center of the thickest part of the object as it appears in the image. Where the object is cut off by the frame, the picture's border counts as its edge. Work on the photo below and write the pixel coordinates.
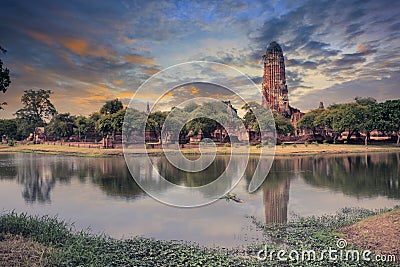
(370, 120)
(134, 124)
(8, 128)
(211, 116)
(36, 111)
(93, 124)
(342, 117)
(82, 126)
(249, 118)
(176, 122)
(190, 107)
(283, 125)
(111, 123)
(5, 80)
(389, 117)
(252, 121)
(61, 126)
(111, 107)
(155, 122)
(308, 121)
(365, 101)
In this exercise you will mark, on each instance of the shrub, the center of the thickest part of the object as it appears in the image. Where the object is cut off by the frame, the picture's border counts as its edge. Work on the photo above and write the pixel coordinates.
(259, 146)
(11, 142)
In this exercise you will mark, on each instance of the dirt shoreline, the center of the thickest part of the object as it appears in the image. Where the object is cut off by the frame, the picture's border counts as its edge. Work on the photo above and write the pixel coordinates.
(379, 233)
(288, 150)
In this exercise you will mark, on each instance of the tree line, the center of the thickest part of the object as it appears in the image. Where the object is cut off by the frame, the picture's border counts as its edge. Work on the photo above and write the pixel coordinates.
(363, 115)
(38, 111)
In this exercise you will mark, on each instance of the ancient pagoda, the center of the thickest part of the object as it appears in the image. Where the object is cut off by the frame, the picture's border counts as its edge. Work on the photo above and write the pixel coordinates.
(274, 86)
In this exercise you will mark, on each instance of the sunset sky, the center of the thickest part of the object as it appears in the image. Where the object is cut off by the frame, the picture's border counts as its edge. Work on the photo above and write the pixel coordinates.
(88, 52)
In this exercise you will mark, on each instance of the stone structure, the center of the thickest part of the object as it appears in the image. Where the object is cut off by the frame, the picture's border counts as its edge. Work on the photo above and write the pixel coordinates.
(274, 86)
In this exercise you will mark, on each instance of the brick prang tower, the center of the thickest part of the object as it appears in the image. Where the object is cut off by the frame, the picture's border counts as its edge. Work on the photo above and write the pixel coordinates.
(274, 86)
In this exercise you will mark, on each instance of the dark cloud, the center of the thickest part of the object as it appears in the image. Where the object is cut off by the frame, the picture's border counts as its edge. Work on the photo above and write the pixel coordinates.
(386, 88)
(303, 64)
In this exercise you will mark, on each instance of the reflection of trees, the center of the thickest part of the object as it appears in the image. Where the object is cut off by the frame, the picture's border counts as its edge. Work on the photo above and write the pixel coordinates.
(113, 177)
(39, 174)
(8, 169)
(360, 176)
(195, 179)
(192, 179)
(34, 173)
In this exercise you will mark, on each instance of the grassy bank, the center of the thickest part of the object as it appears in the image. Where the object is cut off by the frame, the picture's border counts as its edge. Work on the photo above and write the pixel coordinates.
(68, 248)
(51, 242)
(286, 150)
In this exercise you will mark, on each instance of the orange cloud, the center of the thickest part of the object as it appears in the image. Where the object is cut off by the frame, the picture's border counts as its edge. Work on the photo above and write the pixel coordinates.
(138, 59)
(42, 37)
(129, 41)
(124, 95)
(362, 48)
(150, 71)
(80, 46)
(27, 68)
(84, 48)
(118, 82)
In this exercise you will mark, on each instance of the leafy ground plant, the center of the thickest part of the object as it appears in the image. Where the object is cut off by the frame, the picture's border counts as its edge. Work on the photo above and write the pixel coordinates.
(77, 248)
(311, 234)
(55, 243)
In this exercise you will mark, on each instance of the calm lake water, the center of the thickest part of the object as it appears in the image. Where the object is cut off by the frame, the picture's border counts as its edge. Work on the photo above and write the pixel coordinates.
(99, 194)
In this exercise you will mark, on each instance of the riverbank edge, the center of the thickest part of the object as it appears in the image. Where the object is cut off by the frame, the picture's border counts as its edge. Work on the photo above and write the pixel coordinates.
(56, 243)
(378, 233)
(280, 151)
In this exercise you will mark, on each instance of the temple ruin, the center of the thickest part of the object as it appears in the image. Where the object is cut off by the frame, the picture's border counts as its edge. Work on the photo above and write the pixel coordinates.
(274, 86)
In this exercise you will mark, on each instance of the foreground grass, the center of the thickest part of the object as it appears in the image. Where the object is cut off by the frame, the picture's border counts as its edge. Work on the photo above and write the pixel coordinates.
(286, 150)
(322, 233)
(69, 248)
(56, 244)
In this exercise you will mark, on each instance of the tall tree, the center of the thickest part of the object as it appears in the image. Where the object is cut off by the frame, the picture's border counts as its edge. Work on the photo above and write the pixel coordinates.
(389, 119)
(134, 124)
(82, 126)
(4, 77)
(8, 128)
(155, 122)
(308, 120)
(61, 126)
(36, 111)
(282, 124)
(111, 107)
(112, 123)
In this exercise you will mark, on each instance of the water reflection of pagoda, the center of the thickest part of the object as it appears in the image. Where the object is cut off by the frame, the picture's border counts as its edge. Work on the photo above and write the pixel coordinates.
(276, 199)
